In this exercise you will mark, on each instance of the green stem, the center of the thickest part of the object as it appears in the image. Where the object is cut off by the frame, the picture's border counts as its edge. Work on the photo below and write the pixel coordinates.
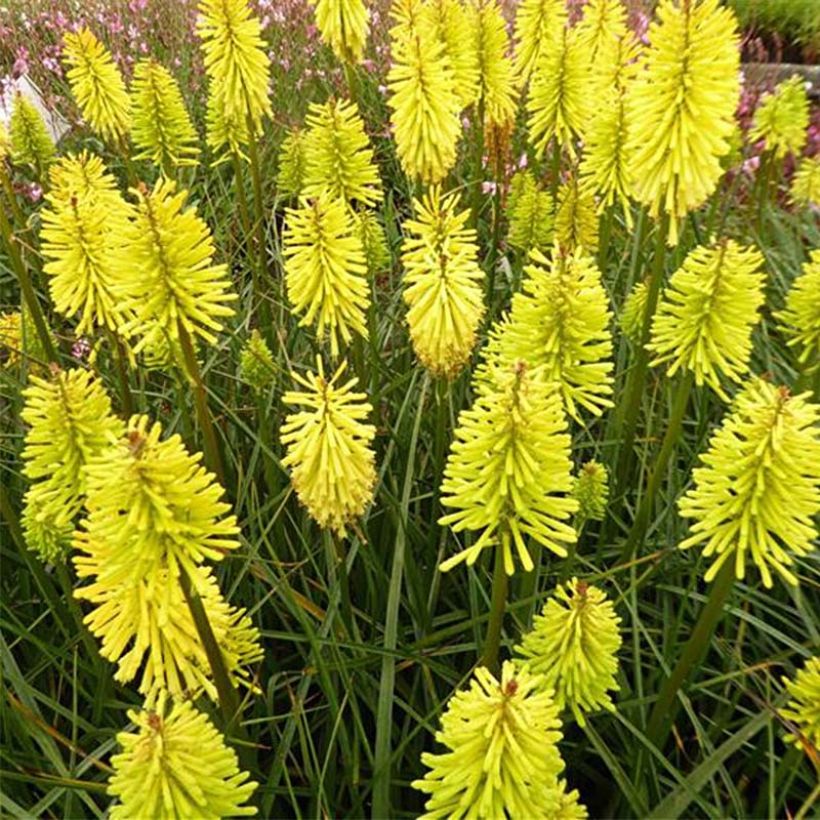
(122, 374)
(498, 605)
(16, 213)
(670, 440)
(636, 380)
(605, 236)
(496, 241)
(667, 704)
(212, 458)
(555, 175)
(479, 159)
(26, 287)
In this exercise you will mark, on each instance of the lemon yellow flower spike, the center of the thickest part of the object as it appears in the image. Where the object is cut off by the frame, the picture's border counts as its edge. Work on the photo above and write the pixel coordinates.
(538, 24)
(31, 144)
(800, 319)
(451, 21)
(5, 144)
(344, 26)
(11, 339)
(574, 644)
(681, 107)
(806, 182)
(329, 447)
(338, 158)
(501, 738)
(292, 164)
(423, 98)
(603, 24)
(531, 213)
(174, 764)
(326, 270)
(442, 283)
(803, 709)
(85, 177)
(591, 490)
(706, 315)
(782, 118)
(508, 474)
(97, 85)
(758, 491)
(576, 218)
(161, 130)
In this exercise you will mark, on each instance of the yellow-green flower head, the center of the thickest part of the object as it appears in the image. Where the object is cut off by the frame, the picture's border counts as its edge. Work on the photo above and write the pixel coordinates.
(574, 645)
(337, 156)
(256, 366)
(329, 447)
(603, 23)
(325, 269)
(85, 177)
(162, 130)
(173, 282)
(442, 283)
(5, 144)
(70, 423)
(591, 490)
(569, 808)
(782, 118)
(502, 757)
(344, 25)
(558, 104)
(803, 708)
(681, 107)
(11, 339)
(496, 78)
(176, 765)
(452, 21)
(508, 474)
(83, 241)
(633, 312)
(800, 320)
(292, 161)
(538, 24)
(559, 326)
(759, 487)
(707, 313)
(423, 99)
(374, 242)
(97, 85)
(238, 69)
(31, 144)
(806, 182)
(576, 218)
(226, 131)
(530, 212)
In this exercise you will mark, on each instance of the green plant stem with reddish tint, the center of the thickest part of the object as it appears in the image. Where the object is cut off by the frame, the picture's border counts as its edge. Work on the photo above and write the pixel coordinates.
(498, 606)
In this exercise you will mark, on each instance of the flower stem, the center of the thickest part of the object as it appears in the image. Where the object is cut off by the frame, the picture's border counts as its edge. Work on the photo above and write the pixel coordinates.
(203, 414)
(122, 374)
(498, 604)
(670, 440)
(26, 287)
(666, 706)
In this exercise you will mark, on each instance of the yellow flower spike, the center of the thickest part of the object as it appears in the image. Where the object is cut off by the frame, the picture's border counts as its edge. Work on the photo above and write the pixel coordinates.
(501, 759)
(681, 107)
(329, 447)
(70, 423)
(238, 69)
(442, 283)
(338, 158)
(759, 487)
(603, 24)
(538, 24)
(84, 241)
(496, 79)
(800, 320)
(175, 764)
(5, 144)
(576, 218)
(508, 474)
(31, 144)
(558, 104)
(632, 314)
(559, 326)
(574, 645)
(591, 490)
(97, 85)
(256, 365)
(569, 808)
(707, 313)
(292, 164)
(806, 182)
(374, 242)
(782, 118)
(162, 129)
(85, 177)
(344, 26)
(11, 340)
(326, 270)
(803, 708)
(531, 214)
(451, 21)
(423, 99)
(173, 279)
(226, 132)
